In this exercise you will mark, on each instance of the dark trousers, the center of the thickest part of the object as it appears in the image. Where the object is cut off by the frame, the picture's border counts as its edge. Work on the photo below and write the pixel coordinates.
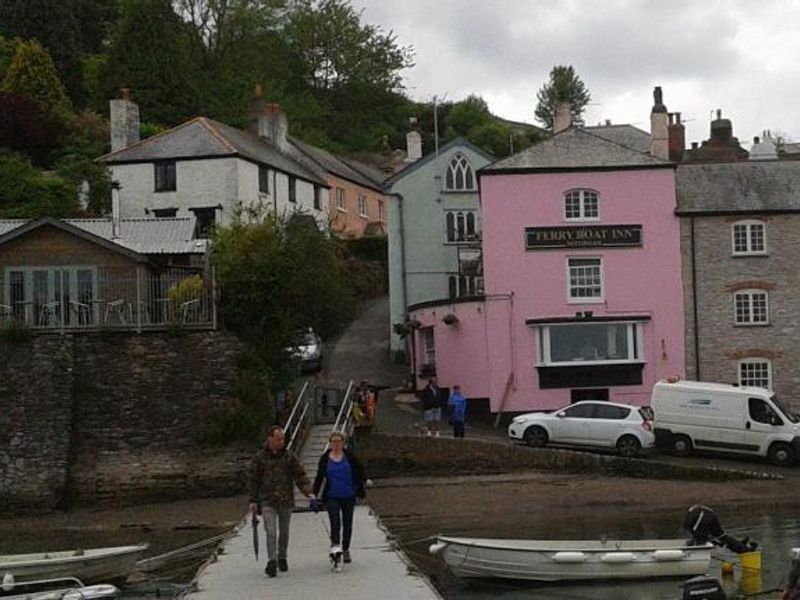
(340, 512)
(458, 429)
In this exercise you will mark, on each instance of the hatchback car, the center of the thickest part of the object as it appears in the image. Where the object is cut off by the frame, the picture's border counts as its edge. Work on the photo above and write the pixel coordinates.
(307, 350)
(588, 423)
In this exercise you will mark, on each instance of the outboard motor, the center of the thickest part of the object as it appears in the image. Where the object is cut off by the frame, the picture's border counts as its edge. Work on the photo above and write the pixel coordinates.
(703, 588)
(703, 525)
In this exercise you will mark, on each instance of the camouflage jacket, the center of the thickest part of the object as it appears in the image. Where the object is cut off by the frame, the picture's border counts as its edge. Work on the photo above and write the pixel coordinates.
(273, 476)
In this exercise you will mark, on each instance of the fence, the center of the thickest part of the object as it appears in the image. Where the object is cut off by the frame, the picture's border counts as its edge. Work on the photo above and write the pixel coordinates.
(75, 298)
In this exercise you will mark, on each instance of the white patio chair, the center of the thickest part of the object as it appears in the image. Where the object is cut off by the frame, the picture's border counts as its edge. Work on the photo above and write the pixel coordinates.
(190, 308)
(118, 308)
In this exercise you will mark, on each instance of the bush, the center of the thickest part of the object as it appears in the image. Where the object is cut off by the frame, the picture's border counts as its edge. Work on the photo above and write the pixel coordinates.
(15, 332)
(27, 194)
(371, 248)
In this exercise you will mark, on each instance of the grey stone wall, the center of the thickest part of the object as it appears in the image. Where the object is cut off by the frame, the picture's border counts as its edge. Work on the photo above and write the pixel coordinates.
(114, 417)
(718, 274)
(36, 380)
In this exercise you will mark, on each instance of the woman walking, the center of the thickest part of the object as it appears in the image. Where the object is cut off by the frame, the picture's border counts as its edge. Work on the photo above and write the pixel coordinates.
(340, 476)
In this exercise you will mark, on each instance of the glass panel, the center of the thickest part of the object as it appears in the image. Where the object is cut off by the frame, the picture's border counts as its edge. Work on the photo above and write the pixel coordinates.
(469, 179)
(85, 296)
(740, 238)
(754, 373)
(40, 296)
(756, 238)
(448, 182)
(17, 295)
(585, 279)
(450, 223)
(470, 223)
(580, 411)
(459, 179)
(461, 226)
(611, 412)
(589, 342)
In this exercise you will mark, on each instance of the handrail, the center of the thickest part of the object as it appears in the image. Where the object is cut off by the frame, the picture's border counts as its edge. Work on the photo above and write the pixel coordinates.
(294, 408)
(345, 409)
(297, 428)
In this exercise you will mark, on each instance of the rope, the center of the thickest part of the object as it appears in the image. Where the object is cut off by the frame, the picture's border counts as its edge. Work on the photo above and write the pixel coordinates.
(145, 562)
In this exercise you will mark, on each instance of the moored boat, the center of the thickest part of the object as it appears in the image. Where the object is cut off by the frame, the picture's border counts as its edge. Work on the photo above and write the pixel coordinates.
(90, 565)
(572, 560)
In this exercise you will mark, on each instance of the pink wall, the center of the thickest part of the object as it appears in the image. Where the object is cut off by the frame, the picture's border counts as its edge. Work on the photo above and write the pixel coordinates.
(531, 284)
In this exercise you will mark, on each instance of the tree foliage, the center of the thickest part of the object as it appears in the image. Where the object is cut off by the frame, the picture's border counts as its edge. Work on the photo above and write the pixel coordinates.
(276, 277)
(32, 74)
(564, 85)
(27, 194)
(24, 128)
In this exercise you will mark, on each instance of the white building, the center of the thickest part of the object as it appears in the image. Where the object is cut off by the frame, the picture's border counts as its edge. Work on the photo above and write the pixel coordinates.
(211, 170)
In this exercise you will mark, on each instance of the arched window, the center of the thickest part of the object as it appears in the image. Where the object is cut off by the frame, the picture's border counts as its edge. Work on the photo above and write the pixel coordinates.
(459, 174)
(581, 205)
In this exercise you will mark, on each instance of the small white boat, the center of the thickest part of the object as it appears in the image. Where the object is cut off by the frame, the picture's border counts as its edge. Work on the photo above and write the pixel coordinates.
(91, 565)
(572, 560)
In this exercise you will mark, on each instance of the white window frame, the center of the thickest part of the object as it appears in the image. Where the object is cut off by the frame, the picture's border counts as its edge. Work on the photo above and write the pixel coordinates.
(361, 200)
(459, 286)
(582, 205)
(341, 199)
(753, 362)
(428, 345)
(584, 299)
(635, 341)
(459, 164)
(749, 225)
(462, 216)
(748, 296)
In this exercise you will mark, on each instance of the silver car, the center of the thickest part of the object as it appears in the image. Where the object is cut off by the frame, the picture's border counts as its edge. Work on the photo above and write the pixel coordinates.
(588, 423)
(308, 350)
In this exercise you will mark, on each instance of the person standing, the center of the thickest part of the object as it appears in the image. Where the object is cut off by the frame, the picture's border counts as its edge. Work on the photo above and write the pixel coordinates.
(340, 479)
(458, 411)
(274, 472)
(432, 407)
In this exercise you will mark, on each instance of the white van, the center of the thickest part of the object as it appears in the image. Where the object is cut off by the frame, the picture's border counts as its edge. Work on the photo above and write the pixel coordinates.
(724, 418)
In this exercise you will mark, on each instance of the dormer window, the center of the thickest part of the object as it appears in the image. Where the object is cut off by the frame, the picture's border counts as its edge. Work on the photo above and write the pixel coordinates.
(459, 176)
(581, 205)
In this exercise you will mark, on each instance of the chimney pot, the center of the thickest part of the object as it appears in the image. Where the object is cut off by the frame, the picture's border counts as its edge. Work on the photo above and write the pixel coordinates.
(756, 140)
(719, 114)
(608, 122)
(659, 127)
(125, 93)
(678, 118)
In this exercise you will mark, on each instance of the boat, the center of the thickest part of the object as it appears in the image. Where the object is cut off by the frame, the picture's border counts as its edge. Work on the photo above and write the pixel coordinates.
(572, 560)
(93, 565)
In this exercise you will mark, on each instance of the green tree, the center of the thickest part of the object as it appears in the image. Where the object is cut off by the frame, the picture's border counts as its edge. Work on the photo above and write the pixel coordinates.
(470, 113)
(151, 53)
(56, 26)
(564, 85)
(27, 194)
(32, 73)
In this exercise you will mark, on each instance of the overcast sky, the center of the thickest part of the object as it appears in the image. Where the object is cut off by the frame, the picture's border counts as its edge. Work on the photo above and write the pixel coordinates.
(742, 56)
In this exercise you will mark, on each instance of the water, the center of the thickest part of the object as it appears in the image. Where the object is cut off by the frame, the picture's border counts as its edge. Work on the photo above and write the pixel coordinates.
(775, 532)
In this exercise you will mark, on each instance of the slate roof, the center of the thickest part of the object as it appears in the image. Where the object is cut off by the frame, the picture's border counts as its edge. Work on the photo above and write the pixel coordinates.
(371, 172)
(575, 149)
(411, 167)
(331, 163)
(625, 135)
(143, 236)
(205, 138)
(741, 186)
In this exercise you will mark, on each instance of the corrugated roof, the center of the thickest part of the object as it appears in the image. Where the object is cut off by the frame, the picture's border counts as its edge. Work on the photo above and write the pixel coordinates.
(202, 137)
(738, 186)
(625, 135)
(331, 163)
(144, 236)
(576, 148)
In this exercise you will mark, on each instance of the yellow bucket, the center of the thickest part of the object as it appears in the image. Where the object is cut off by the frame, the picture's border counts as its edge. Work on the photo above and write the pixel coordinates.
(751, 561)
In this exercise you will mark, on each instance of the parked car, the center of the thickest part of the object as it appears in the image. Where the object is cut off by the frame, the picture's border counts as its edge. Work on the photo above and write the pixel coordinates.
(588, 423)
(307, 350)
(724, 418)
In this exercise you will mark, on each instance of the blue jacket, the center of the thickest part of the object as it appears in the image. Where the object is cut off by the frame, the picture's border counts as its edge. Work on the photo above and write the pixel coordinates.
(458, 404)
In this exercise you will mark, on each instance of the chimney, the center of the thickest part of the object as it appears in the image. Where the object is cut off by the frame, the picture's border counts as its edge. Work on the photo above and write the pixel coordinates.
(267, 120)
(413, 146)
(116, 219)
(677, 137)
(659, 129)
(721, 131)
(563, 117)
(764, 149)
(123, 121)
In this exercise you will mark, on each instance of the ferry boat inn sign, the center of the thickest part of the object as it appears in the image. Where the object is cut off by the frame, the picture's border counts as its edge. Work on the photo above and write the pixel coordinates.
(583, 236)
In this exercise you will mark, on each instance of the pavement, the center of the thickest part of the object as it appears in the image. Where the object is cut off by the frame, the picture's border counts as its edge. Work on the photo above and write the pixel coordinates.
(377, 570)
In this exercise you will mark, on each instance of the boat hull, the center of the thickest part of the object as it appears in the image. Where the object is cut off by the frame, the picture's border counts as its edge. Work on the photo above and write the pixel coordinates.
(90, 566)
(572, 560)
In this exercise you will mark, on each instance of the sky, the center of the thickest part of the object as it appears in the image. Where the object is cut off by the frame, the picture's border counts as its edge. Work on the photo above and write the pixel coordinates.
(740, 56)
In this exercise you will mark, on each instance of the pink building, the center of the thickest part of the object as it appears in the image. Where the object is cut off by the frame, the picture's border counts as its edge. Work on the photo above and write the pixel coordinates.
(582, 274)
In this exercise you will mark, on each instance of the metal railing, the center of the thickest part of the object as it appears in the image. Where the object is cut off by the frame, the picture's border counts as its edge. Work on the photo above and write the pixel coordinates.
(292, 427)
(75, 298)
(344, 420)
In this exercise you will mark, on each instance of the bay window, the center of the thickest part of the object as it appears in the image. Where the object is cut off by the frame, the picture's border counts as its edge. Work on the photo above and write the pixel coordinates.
(570, 344)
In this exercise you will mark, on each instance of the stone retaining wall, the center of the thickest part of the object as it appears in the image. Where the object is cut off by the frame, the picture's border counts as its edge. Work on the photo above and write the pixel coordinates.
(114, 417)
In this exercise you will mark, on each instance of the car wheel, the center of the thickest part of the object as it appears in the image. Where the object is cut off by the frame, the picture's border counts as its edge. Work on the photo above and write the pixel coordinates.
(781, 455)
(681, 445)
(628, 445)
(535, 437)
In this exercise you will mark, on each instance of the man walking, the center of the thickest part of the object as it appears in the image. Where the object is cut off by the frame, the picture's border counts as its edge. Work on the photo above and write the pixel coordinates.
(432, 407)
(274, 472)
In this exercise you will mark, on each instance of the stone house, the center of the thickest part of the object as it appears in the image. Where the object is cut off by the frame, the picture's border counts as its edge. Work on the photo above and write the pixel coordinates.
(211, 170)
(85, 273)
(434, 228)
(739, 224)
